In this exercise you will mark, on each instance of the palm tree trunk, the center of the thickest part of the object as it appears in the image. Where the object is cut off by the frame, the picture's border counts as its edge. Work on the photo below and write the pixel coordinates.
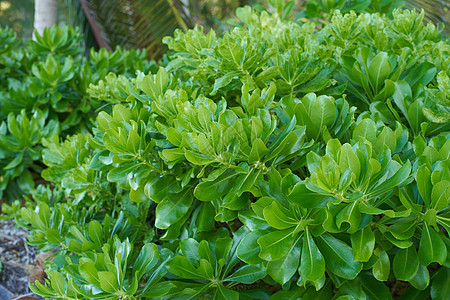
(45, 14)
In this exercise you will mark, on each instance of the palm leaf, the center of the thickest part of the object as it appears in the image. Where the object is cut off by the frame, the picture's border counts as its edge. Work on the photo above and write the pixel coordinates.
(71, 12)
(128, 23)
(143, 23)
(436, 11)
(152, 23)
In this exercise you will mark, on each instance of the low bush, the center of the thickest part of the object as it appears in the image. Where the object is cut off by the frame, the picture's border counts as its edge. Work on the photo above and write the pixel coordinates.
(43, 92)
(279, 161)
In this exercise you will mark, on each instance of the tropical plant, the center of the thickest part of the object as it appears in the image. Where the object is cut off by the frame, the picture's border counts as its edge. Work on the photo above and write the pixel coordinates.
(276, 161)
(142, 24)
(435, 10)
(43, 92)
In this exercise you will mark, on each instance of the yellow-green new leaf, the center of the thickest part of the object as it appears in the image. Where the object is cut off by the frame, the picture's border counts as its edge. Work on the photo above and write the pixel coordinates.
(108, 281)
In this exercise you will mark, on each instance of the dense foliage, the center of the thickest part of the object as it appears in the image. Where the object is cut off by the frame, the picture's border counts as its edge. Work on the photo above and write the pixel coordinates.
(281, 160)
(43, 92)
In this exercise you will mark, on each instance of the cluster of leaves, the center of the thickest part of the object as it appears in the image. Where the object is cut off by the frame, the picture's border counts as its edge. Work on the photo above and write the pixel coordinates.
(275, 162)
(43, 92)
(325, 8)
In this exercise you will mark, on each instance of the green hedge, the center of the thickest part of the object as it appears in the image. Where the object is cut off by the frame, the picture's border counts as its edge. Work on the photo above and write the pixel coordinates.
(43, 92)
(282, 160)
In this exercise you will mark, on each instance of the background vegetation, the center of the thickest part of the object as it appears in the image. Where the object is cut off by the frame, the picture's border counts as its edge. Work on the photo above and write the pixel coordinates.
(295, 155)
(134, 23)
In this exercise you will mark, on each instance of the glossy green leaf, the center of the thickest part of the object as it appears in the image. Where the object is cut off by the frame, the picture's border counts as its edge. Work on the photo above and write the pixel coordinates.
(439, 286)
(374, 289)
(379, 70)
(247, 274)
(180, 266)
(431, 248)
(365, 129)
(147, 259)
(322, 112)
(406, 264)
(210, 190)
(312, 266)
(204, 221)
(275, 245)
(423, 178)
(159, 290)
(205, 269)
(348, 159)
(363, 243)
(352, 289)
(346, 297)
(248, 249)
(259, 149)
(283, 269)
(422, 279)
(223, 293)
(189, 248)
(58, 283)
(277, 218)
(108, 281)
(403, 230)
(172, 208)
(294, 293)
(204, 250)
(382, 267)
(386, 139)
(252, 221)
(304, 197)
(198, 158)
(89, 272)
(338, 257)
(349, 218)
(440, 195)
(223, 81)
(400, 176)
(324, 293)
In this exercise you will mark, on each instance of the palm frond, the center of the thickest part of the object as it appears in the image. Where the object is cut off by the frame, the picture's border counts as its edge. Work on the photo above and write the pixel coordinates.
(153, 22)
(71, 13)
(137, 23)
(143, 23)
(436, 11)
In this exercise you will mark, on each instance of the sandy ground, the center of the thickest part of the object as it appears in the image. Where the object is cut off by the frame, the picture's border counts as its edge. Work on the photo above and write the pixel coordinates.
(18, 262)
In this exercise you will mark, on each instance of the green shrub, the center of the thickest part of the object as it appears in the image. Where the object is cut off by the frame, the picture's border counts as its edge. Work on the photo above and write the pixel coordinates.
(43, 92)
(278, 161)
